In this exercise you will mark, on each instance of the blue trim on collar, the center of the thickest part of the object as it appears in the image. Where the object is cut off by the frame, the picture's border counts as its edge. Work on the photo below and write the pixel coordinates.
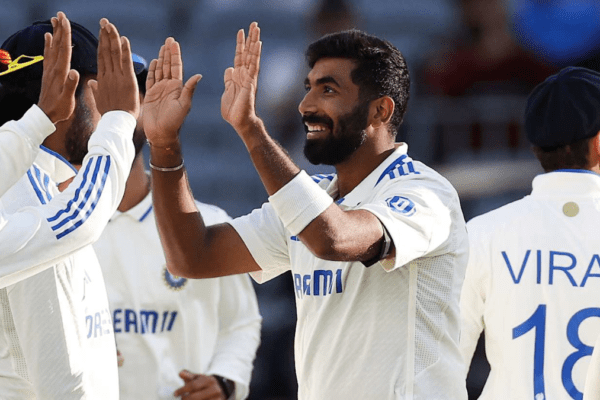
(55, 154)
(578, 171)
(143, 217)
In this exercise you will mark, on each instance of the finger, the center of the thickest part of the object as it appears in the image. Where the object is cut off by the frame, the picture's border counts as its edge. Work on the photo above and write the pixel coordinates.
(93, 84)
(254, 66)
(228, 76)
(103, 48)
(239, 50)
(150, 80)
(48, 56)
(63, 40)
(191, 386)
(176, 63)
(126, 59)
(189, 88)
(71, 83)
(158, 75)
(166, 66)
(115, 46)
(253, 38)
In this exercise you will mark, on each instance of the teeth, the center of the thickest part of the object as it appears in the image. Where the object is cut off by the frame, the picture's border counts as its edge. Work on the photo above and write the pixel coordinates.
(315, 128)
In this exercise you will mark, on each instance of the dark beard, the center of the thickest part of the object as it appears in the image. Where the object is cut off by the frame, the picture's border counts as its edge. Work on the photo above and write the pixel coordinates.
(78, 134)
(139, 139)
(348, 135)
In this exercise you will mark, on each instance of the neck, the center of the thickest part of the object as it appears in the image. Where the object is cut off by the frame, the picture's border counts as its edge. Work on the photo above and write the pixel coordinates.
(353, 171)
(137, 187)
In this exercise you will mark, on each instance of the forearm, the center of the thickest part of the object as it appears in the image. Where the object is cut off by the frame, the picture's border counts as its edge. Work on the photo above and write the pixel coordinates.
(180, 225)
(273, 164)
(34, 238)
(19, 144)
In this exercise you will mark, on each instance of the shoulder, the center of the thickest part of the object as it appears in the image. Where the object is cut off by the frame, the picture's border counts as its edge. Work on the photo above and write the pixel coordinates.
(509, 217)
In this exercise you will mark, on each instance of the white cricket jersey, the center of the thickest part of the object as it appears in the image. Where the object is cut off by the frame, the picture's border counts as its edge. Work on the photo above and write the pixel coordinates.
(57, 332)
(532, 284)
(36, 237)
(19, 144)
(592, 381)
(165, 323)
(389, 331)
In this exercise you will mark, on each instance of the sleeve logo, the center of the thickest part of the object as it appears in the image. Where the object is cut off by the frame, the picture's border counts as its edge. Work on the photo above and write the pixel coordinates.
(173, 282)
(401, 205)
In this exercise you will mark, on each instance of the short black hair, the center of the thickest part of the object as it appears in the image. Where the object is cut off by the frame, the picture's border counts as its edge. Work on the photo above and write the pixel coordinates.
(381, 69)
(571, 156)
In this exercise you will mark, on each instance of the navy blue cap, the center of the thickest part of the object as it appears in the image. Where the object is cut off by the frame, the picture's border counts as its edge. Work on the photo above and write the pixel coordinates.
(30, 42)
(139, 63)
(564, 108)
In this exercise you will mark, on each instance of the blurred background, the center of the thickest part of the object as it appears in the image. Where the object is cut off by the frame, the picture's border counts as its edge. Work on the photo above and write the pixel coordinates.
(472, 63)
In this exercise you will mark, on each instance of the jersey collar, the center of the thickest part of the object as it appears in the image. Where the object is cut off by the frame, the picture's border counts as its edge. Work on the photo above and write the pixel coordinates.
(378, 175)
(54, 165)
(569, 182)
(140, 212)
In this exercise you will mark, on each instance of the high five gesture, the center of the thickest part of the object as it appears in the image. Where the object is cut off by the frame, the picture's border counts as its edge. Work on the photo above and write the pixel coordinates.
(238, 103)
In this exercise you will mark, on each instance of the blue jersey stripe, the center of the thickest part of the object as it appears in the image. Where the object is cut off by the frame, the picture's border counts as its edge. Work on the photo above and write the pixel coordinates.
(146, 213)
(93, 205)
(76, 196)
(83, 201)
(36, 187)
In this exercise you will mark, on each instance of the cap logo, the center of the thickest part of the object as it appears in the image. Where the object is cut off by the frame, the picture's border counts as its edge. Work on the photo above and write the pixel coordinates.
(20, 62)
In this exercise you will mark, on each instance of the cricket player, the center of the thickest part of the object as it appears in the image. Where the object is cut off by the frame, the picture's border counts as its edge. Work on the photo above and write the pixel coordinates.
(377, 250)
(57, 340)
(173, 334)
(532, 279)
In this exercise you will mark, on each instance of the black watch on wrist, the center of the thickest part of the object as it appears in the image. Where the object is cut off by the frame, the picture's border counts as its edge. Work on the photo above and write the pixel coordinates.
(227, 386)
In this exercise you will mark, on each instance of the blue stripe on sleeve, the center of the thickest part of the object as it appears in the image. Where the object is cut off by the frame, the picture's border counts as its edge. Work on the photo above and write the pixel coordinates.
(76, 197)
(35, 185)
(94, 203)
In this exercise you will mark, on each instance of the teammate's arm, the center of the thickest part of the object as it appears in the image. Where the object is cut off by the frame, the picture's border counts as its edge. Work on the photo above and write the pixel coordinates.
(20, 140)
(36, 237)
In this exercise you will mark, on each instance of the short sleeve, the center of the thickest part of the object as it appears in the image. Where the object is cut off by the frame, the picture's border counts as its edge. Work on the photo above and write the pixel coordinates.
(419, 219)
(266, 239)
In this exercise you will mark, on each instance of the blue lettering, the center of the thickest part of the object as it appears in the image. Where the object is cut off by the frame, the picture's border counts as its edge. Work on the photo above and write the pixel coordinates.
(144, 320)
(595, 260)
(298, 285)
(338, 281)
(130, 319)
(164, 320)
(327, 281)
(173, 315)
(97, 324)
(553, 267)
(306, 285)
(510, 269)
(117, 320)
(89, 322)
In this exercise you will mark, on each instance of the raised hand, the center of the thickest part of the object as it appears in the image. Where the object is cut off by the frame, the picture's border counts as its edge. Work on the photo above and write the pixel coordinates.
(59, 81)
(238, 103)
(115, 87)
(168, 100)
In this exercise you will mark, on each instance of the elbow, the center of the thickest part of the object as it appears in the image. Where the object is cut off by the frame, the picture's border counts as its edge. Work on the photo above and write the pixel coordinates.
(324, 248)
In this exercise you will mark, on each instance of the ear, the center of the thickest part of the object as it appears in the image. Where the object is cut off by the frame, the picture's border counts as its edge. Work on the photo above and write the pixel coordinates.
(382, 110)
(596, 142)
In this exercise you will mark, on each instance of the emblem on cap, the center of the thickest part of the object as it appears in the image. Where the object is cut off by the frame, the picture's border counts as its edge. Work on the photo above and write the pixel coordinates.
(570, 209)
(173, 282)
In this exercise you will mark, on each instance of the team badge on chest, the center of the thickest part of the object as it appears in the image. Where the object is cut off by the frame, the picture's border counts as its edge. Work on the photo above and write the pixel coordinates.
(173, 282)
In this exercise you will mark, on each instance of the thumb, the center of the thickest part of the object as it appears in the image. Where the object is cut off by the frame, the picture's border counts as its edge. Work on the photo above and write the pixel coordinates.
(186, 375)
(71, 83)
(188, 89)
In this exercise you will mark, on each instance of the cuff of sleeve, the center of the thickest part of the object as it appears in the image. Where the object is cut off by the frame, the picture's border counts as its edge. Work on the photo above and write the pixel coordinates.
(37, 125)
(299, 202)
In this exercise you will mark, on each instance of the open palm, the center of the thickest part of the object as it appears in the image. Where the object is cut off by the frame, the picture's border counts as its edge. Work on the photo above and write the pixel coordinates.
(238, 103)
(168, 100)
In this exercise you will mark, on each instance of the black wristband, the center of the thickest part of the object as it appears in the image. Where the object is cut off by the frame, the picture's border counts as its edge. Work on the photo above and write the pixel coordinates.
(227, 385)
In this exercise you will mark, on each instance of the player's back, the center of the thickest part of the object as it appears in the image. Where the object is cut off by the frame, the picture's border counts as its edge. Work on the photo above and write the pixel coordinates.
(532, 281)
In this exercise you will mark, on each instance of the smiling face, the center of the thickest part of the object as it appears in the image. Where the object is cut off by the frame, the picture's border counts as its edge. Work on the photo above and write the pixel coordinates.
(334, 117)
